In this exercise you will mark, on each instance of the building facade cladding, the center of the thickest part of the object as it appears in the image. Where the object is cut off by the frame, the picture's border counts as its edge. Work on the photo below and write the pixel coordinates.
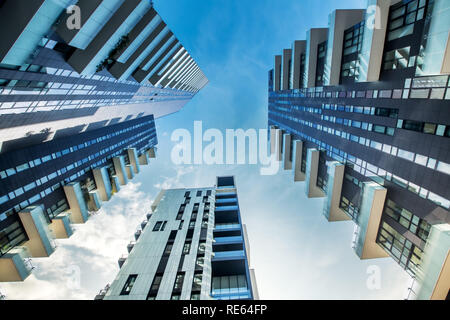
(66, 179)
(192, 246)
(378, 151)
(49, 71)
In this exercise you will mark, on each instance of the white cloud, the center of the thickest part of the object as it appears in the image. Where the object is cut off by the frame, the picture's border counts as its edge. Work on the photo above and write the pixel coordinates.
(85, 263)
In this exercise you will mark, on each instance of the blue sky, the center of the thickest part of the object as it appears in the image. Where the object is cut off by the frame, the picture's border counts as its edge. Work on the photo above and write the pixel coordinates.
(295, 252)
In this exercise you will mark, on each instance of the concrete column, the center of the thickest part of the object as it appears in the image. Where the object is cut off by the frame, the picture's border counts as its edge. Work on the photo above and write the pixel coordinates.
(314, 37)
(12, 265)
(297, 157)
(134, 162)
(339, 21)
(298, 48)
(332, 210)
(286, 66)
(103, 182)
(35, 225)
(119, 166)
(372, 204)
(130, 172)
(143, 159)
(287, 161)
(77, 204)
(312, 169)
(278, 144)
(277, 74)
(61, 227)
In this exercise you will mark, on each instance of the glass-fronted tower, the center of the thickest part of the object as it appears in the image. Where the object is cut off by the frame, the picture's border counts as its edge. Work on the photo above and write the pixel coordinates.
(193, 246)
(359, 111)
(68, 63)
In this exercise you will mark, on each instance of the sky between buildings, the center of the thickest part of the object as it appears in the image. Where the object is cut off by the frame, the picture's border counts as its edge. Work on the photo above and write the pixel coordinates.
(296, 253)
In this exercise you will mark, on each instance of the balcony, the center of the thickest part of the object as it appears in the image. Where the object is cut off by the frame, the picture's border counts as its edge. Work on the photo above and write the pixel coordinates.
(130, 246)
(227, 226)
(137, 234)
(226, 208)
(103, 183)
(61, 227)
(77, 204)
(122, 260)
(297, 159)
(143, 224)
(229, 255)
(331, 208)
(373, 198)
(225, 240)
(40, 243)
(434, 272)
(312, 170)
(15, 265)
(225, 200)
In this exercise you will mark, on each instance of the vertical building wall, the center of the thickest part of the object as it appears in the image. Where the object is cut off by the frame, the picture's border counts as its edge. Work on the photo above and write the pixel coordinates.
(192, 248)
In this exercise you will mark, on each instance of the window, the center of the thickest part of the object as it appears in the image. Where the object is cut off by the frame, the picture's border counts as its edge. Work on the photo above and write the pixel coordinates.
(157, 226)
(186, 248)
(128, 285)
(199, 193)
(396, 59)
(197, 282)
(168, 249)
(179, 282)
(160, 226)
(181, 225)
(403, 17)
(195, 296)
(154, 287)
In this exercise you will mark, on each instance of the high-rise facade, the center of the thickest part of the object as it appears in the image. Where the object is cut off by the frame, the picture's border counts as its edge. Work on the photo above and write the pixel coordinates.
(81, 84)
(47, 187)
(193, 246)
(359, 112)
(68, 63)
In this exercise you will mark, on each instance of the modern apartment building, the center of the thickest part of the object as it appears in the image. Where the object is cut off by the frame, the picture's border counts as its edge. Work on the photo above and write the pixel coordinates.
(193, 246)
(45, 188)
(68, 63)
(78, 103)
(359, 111)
